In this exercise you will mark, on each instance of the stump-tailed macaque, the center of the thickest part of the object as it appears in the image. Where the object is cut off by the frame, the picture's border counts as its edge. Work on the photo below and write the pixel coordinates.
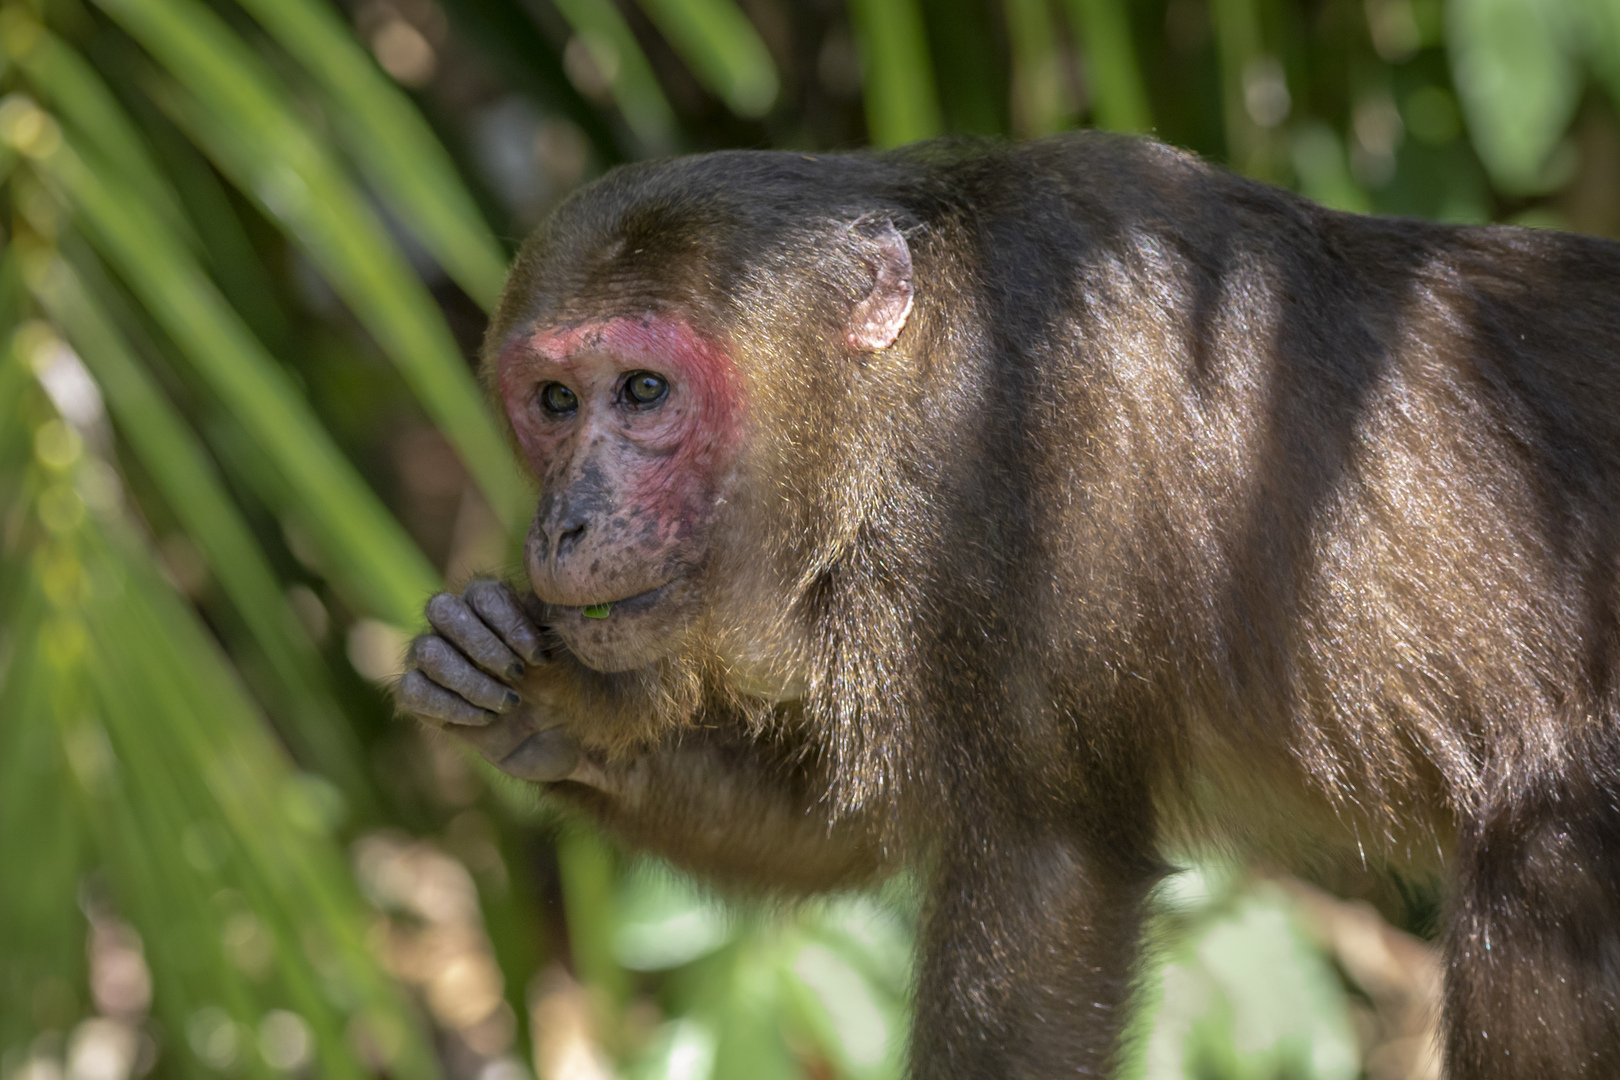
(1022, 514)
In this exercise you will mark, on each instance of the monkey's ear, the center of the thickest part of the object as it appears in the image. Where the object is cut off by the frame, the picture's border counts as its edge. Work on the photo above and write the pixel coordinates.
(876, 319)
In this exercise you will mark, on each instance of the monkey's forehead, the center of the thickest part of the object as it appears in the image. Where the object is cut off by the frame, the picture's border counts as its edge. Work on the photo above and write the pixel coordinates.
(665, 233)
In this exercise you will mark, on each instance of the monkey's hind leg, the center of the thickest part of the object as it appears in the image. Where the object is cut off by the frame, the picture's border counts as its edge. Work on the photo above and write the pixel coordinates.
(1533, 980)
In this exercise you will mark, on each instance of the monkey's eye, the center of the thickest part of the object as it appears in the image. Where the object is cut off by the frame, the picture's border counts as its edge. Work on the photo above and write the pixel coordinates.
(557, 399)
(645, 387)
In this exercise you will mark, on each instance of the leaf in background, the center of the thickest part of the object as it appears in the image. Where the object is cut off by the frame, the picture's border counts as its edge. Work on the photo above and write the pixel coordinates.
(681, 1049)
(741, 996)
(1287, 1001)
(602, 31)
(1323, 174)
(897, 73)
(1041, 102)
(588, 865)
(41, 932)
(1601, 31)
(372, 555)
(1518, 82)
(1238, 45)
(238, 115)
(847, 981)
(664, 920)
(722, 48)
(246, 278)
(506, 34)
(181, 468)
(1118, 97)
(963, 37)
(399, 153)
(247, 914)
(80, 97)
(862, 1028)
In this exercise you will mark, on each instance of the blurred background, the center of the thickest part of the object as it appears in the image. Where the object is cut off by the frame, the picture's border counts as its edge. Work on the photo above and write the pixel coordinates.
(248, 250)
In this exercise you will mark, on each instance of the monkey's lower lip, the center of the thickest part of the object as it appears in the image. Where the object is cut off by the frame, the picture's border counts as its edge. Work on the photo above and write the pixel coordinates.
(630, 605)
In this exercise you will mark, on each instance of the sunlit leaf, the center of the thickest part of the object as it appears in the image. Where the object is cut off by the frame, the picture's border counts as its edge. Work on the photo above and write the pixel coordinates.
(742, 997)
(372, 555)
(1601, 26)
(1287, 1003)
(240, 119)
(861, 1026)
(664, 921)
(41, 935)
(213, 753)
(71, 86)
(180, 466)
(601, 30)
(1041, 103)
(679, 1050)
(1518, 81)
(157, 740)
(398, 151)
(898, 75)
(722, 48)
(1118, 97)
(1238, 45)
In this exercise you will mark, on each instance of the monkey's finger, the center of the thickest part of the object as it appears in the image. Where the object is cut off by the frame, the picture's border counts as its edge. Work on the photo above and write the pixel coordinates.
(420, 695)
(498, 607)
(439, 661)
(451, 617)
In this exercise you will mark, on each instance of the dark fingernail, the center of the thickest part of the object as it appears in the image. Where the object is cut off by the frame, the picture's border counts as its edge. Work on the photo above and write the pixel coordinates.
(516, 670)
(512, 700)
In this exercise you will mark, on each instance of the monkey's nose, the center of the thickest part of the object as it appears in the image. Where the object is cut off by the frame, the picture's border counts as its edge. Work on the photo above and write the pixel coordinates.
(562, 518)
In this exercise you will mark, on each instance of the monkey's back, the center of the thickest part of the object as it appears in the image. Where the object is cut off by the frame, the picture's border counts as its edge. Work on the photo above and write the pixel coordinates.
(1341, 486)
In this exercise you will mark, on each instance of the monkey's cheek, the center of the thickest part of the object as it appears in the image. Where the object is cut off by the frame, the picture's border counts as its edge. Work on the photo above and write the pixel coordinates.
(635, 632)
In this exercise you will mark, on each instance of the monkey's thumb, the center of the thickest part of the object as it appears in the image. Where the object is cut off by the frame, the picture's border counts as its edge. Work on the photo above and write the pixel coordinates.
(545, 757)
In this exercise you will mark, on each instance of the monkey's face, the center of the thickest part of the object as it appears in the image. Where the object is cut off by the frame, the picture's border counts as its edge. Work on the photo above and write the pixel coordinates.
(632, 426)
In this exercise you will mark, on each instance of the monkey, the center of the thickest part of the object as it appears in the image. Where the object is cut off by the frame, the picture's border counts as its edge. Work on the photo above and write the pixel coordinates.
(1023, 515)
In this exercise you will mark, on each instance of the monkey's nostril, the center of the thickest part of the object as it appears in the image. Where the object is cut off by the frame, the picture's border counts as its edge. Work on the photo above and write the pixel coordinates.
(568, 540)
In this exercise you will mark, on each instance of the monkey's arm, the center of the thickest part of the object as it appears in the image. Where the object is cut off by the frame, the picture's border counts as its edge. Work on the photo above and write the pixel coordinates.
(741, 809)
(737, 810)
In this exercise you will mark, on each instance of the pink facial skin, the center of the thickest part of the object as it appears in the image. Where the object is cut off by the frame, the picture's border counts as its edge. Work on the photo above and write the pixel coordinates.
(642, 481)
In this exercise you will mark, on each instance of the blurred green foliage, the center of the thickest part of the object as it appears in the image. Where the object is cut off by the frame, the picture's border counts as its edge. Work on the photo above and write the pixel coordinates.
(248, 246)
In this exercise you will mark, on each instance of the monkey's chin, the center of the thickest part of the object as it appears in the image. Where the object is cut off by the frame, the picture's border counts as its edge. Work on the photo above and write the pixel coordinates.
(632, 633)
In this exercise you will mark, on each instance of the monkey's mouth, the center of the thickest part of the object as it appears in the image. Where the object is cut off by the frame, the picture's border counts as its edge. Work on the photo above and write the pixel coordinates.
(630, 605)
(626, 633)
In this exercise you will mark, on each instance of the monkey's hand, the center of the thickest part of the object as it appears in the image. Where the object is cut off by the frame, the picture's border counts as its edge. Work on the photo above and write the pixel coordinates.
(477, 677)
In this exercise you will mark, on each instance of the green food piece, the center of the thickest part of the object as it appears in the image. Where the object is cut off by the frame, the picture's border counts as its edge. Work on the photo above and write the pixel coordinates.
(596, 611)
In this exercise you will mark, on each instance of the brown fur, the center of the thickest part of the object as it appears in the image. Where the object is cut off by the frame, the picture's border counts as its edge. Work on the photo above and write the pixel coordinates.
(1181, 512)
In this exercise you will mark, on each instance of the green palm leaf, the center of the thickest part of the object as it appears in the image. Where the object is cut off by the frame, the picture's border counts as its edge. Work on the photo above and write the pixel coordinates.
(162, 440)
(370, 552)
(399, 153)
(235, 112)
(899, 78)
(161, 747)
(723, 50)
